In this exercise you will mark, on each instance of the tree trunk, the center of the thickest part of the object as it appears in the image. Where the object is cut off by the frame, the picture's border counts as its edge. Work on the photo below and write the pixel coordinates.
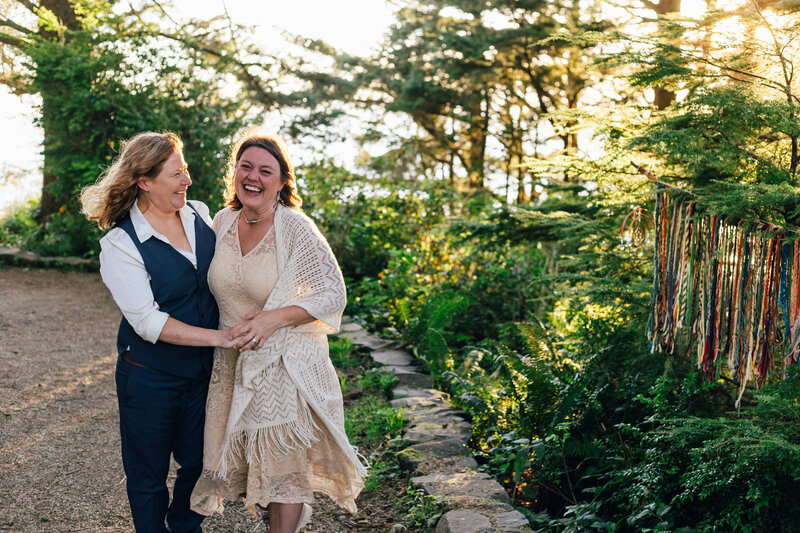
(49, 203)
(477, 146)
(663, 97)
(522, 195)
(473, 159)
(508, 178)
(451, 177)
(64, 12)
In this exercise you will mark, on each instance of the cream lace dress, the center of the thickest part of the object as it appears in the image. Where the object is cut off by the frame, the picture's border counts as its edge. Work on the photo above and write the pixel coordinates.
(291, 465)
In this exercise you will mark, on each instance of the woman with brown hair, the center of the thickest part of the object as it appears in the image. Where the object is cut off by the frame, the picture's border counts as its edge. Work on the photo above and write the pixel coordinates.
(155, 261)
(274, 419)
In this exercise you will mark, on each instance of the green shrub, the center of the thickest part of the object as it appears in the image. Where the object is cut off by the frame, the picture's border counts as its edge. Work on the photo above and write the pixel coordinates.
(366, 221)
(343, 352)
(422, 508)
(372, 421)
(736, 472)
(377, 381)
(19, 224)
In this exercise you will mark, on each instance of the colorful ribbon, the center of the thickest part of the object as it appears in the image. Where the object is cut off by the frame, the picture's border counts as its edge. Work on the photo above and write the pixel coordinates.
(724, 292)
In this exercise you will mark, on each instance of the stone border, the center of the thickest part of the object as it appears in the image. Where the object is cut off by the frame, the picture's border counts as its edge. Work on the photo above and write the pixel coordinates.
(438, 455)
(24, 258)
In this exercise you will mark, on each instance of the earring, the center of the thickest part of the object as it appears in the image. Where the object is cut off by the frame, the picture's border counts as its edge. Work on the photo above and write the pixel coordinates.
(278, 197)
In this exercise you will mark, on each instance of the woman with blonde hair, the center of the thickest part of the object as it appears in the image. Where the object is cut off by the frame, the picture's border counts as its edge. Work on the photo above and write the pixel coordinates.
(155, 261)
(275, 418)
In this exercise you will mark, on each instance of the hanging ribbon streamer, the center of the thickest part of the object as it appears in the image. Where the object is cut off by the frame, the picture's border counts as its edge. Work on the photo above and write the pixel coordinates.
(723, 292)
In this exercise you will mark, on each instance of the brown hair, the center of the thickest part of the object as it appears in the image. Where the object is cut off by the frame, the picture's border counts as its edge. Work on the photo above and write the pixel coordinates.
(273, 144)
(110, 199)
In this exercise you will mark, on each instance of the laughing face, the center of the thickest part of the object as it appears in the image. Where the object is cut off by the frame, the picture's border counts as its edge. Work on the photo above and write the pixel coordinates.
(257, 180)
(167, 191)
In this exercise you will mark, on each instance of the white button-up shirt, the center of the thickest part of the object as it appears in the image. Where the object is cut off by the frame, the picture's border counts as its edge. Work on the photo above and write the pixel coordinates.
(123, 271)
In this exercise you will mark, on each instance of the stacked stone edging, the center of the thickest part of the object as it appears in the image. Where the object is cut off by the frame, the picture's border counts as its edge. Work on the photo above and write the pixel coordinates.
(17, 257)
(438, 455)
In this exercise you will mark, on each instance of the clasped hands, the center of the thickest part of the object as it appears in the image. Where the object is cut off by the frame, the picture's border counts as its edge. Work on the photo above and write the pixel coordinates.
(251, 335)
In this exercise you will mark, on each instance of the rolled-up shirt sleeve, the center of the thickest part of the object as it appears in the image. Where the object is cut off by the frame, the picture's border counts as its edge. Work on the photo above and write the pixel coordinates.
(125, 275)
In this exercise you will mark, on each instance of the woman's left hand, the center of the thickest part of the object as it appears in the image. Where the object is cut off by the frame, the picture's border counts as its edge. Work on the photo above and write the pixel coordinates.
(259, 327)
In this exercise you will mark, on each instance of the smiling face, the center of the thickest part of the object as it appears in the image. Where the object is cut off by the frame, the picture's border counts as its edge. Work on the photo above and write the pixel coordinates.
(167, 191)
(257, 179)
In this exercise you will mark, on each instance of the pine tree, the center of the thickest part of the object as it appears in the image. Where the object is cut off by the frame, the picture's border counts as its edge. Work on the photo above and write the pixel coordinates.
(464, 73)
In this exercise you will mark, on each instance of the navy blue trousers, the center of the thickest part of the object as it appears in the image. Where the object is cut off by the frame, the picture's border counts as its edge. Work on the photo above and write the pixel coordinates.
(161, 415)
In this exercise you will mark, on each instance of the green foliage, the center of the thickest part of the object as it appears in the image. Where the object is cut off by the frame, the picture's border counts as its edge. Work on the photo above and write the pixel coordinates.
(509, 459)
(65, 233)
(509, 386)
(774, 203)
(363, 220)
(432, 327)
(583, 517)
(18, 224)
(108, 83)
(731, 472)
(724, 133)
(372, 421)
(383, 466)
(342, 352)
(444, 293)
(378, 381)
(422, 509)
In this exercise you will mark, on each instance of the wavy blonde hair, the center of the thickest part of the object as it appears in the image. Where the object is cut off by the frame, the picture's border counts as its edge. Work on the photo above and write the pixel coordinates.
(273, 144)
(112, 196)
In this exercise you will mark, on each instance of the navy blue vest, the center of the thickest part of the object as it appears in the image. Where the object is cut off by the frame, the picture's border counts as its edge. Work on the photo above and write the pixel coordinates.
(181, 291)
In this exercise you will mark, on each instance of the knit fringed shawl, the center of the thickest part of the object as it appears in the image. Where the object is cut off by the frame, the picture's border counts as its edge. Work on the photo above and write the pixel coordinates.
(308, 277)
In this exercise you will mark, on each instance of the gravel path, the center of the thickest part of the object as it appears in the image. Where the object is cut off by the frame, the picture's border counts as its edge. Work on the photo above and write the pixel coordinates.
(60, 465)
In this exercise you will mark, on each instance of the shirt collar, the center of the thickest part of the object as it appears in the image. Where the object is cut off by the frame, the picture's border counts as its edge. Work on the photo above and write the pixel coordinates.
(143, 228)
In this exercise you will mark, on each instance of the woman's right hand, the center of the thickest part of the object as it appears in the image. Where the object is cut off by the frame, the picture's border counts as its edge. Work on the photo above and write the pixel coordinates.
(228, 338)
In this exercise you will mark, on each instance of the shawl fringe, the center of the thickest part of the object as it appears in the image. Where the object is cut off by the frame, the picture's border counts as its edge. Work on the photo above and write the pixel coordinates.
(309, 277)
(254, 444)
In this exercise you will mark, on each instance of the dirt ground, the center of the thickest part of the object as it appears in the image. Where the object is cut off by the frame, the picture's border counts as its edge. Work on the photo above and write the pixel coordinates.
(60, 464)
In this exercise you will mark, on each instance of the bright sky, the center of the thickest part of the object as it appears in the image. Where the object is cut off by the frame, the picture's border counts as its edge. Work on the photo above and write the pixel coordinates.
(355, 26)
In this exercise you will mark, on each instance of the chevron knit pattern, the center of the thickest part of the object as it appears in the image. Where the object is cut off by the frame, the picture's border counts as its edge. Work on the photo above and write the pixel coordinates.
(276, 387)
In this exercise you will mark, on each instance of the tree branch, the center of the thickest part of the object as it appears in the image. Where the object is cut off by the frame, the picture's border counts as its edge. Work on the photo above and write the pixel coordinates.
(30, 5)
(772, 84)
(10, 40)
(15, 26)
(164, 12)
(230, 29)
(788, 73)
(251, 82)
(14, 83)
